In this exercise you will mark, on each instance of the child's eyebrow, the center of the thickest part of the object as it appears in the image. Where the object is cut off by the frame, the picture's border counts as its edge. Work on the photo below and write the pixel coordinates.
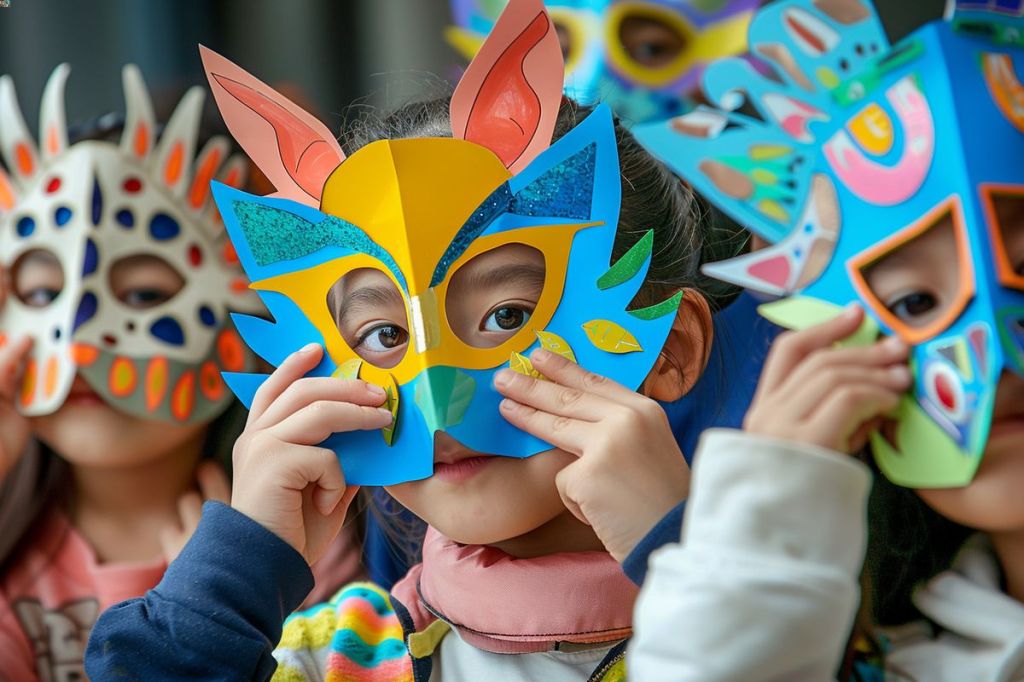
(366, 298)
(518, 274)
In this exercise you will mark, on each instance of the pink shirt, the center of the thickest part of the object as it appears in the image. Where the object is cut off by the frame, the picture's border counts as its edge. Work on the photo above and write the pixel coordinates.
(54, 591)
(51, 596)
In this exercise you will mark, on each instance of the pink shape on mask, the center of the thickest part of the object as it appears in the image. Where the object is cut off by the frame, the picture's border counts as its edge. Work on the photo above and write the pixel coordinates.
(774, 270)
(889, 185)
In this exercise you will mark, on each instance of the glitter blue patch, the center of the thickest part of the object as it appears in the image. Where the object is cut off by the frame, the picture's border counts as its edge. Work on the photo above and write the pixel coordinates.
(168, 330)
(87, 308)
(61, 216)
(497, 203)
(163, 227)
(26, 226)
(91, 260)
(125, 218)
(565, 191)
(274, 235)
(97, 202)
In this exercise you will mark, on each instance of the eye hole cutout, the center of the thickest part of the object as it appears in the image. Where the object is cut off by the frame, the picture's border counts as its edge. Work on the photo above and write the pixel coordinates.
(1004, 208)
(919, 280)
(491, 298)
(37, 278)
(571, 36)
(144, 281)
(369, 312)
(650, 41)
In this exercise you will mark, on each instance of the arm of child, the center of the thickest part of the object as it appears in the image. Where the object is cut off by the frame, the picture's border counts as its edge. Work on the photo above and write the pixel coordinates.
(218, 611)
(764, 585)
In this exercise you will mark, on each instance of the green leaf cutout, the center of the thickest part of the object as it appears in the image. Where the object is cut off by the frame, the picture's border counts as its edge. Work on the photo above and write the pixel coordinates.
(801, 312)
(630, 263)
(666, 307)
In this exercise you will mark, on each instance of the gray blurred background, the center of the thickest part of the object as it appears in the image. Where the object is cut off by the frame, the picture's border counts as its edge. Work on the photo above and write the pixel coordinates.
(330, 53)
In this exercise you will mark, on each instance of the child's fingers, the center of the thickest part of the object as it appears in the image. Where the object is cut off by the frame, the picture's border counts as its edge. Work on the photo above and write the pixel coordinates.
(309, 390)
(844, 412)
(12, 365)
(190, 509)
(328, 502)
(313, 423)
(791, 348)
(803, 397)
(301, 466)
(881, 354)
(550, 397)
(563, 432)
(563, 371)
(213, 482)
(291, 370)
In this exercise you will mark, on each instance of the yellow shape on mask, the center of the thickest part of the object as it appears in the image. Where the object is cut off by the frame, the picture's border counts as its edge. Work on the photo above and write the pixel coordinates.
(872, 128)
(412, 196)
(521, 364)
(556, 344)
(611, 337)
(348, 369)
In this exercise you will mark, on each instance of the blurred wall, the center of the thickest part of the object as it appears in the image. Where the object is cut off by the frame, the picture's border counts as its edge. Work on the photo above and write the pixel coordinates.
(342, 54)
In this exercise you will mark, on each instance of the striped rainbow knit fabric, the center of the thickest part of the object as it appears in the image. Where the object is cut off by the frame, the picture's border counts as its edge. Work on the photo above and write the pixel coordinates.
(356, 636)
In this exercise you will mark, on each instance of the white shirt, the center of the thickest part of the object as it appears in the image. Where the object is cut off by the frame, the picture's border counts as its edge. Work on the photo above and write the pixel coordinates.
(457, 661)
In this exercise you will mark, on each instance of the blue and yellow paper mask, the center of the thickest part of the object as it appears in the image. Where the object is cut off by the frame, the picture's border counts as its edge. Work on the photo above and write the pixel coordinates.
(642, 57)
(417, 210)
(860, 148)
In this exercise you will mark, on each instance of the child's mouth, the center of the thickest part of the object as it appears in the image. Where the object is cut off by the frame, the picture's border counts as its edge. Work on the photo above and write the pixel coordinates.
(461, 470)
(82, 394)
(454, 462)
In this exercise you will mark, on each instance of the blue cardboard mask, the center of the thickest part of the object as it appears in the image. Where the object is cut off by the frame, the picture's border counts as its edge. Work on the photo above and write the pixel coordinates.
(417, 211)
(642, 57)
(857, 150)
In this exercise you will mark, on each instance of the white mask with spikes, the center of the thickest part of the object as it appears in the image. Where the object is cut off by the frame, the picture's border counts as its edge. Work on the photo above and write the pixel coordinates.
(91, 205)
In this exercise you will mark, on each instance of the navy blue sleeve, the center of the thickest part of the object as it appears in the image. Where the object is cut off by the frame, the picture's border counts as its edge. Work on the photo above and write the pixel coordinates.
(665, 531)
(217, 613)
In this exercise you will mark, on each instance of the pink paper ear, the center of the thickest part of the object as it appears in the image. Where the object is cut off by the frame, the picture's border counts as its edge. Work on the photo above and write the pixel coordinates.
(300, 153)
(508, 99)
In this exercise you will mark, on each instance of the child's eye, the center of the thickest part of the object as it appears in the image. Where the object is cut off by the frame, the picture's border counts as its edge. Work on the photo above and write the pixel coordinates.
(383, 338)
(39, 297)
(913, 305)
(145, 298)
(505, 319)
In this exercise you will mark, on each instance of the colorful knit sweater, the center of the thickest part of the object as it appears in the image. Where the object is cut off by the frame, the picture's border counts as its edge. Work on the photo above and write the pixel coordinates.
(364, 634)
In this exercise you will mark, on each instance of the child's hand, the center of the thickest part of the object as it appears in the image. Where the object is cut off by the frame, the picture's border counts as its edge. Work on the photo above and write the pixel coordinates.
(282, 479)
(14, 429)
(213, 485)
(813, 392)
(630, 471)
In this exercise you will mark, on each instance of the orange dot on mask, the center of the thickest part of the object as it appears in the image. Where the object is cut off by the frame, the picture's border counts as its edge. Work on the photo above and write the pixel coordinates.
(123, 378)
(50, 376)
(183, 397)
(175, 162)
(83, 355)
(156, 382)
(210, 382)
(230, 351)
(28, 383)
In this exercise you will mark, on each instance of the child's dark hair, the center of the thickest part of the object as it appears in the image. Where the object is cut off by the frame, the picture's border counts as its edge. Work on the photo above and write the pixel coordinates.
(909, 543)
(687, 233)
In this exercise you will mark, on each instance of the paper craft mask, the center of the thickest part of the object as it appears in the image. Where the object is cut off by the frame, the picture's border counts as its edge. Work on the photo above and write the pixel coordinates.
(643, 57)
(860, 148)
(417, 210)
(94, 203)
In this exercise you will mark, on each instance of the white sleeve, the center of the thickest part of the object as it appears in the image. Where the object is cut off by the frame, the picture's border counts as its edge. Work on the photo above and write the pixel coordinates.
(764, 585)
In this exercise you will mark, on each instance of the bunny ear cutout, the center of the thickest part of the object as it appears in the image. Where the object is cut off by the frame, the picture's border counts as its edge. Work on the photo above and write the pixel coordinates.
(140, 122)
(53, 130)
(293, 149)
(172, 161)
(508, 99)
(7, 194)
(16, 144)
